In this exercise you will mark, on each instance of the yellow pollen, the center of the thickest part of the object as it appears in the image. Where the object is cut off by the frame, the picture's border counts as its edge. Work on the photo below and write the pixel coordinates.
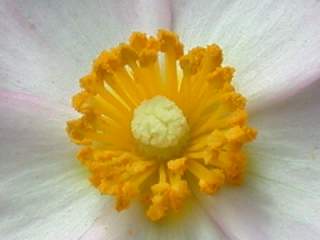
(144, 128)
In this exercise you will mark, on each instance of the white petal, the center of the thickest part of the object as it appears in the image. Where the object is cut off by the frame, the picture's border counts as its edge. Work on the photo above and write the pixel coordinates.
(273, 45)
(281, 197)
(46, 46)
(44, 191)
(132, 224)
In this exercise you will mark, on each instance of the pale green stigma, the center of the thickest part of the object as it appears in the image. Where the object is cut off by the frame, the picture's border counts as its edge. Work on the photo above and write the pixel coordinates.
(159, 127)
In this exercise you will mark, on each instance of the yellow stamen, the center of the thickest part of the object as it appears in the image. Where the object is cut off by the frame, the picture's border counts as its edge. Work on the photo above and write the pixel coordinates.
(209, 180)
(144, 128)
(173, 50)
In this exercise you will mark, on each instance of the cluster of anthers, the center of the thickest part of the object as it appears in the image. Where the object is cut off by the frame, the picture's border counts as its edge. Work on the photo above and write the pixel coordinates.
(149, 127)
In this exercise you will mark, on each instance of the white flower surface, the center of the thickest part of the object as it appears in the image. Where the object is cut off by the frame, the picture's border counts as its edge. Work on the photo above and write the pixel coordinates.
(46, 46)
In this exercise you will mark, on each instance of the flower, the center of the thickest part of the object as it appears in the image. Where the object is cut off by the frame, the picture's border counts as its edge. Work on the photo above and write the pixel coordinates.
(144, 129)
(45, 47)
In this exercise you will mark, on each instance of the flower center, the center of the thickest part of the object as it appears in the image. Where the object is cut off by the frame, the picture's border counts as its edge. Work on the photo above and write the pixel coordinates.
(148, 129)
(160, 128)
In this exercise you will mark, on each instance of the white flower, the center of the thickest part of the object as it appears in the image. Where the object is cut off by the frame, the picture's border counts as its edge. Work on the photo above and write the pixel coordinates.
(45, 47)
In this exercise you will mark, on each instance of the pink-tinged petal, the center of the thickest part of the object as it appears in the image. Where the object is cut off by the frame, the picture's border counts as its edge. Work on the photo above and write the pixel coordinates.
(132, 224)
(274, 45)
(280, 199)
(44, 191)
(46, 46)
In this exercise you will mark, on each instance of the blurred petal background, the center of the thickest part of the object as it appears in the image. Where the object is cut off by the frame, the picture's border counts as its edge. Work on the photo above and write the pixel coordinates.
(46, 46)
